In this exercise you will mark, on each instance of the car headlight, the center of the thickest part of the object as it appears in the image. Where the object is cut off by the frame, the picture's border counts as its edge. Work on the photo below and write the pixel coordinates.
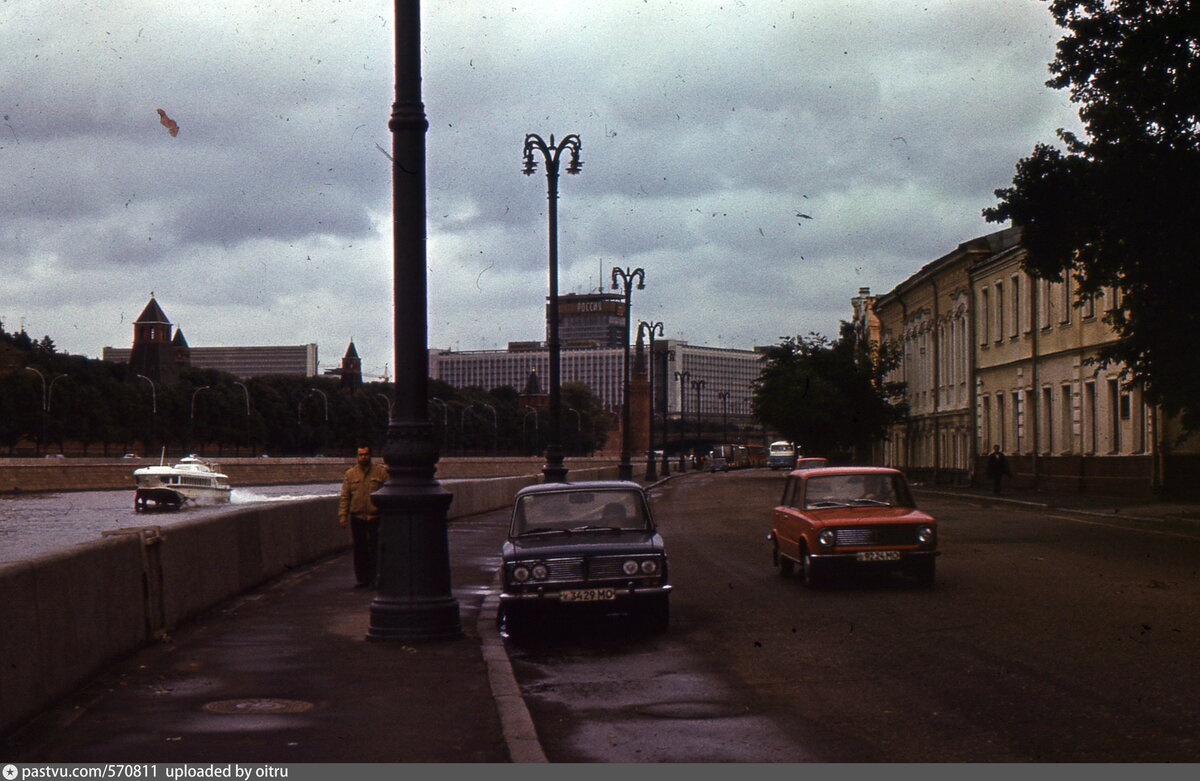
(539, 571)
(649, 567)
(630, 567)
(827, 538)
(926, 535)
(520, 573)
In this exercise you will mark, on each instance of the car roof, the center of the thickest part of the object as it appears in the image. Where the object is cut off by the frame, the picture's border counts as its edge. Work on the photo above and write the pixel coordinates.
(585, 485)
(846, 470)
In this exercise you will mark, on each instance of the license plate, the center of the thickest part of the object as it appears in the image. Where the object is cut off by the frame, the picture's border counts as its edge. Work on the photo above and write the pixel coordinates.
(878, 555)
(588, 595)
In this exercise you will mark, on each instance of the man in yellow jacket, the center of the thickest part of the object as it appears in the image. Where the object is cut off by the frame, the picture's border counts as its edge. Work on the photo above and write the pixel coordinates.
(357, 508)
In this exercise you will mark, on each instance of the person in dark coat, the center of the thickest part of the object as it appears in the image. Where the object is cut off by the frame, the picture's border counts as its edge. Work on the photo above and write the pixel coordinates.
(997, 468)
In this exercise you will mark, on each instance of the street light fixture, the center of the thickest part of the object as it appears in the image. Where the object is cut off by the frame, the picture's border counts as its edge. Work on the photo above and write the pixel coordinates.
(651, 467)
(683, 378)
(555, 471)
(627, 277)
(47, 391)
(415, 601)
(724, 397)
(153, 411)
(698, 384)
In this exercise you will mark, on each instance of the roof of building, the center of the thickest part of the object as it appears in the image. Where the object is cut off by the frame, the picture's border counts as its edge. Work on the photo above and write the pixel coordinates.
(152, 313)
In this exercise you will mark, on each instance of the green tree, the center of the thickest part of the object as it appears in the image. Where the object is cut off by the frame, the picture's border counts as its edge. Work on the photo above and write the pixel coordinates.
(831, 398)
(1106, 209)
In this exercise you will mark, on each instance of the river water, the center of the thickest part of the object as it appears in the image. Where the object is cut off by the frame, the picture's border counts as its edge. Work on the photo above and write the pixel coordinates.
(33, 524)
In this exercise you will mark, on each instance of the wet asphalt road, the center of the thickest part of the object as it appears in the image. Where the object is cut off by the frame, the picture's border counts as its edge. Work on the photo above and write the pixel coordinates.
(1047, 638)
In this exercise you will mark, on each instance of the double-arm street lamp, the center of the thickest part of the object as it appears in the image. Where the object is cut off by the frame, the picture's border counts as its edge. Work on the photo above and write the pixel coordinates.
(414, 601)
(555, 471)
(683, 378)
(47, 391)
(698, 384)
(627, 277)
(650, 329)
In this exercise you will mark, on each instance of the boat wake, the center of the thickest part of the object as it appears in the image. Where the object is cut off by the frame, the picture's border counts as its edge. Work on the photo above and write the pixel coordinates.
(243, 496)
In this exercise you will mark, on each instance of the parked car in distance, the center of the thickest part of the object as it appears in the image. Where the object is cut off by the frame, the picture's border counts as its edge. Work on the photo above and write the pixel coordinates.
(583, 546)
(811, 463)
(851, 518)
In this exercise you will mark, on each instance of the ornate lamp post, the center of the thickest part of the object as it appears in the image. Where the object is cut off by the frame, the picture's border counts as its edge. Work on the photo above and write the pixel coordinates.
(724, 397)
(414, 601)
(698, 384)
(627, 277)
(555, 470)
(153, 410)
(651, 466)
(683, 378)
(47, 391)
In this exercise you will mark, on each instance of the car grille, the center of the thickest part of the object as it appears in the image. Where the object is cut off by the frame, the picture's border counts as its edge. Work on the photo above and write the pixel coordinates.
(579, 569)
(877, 535)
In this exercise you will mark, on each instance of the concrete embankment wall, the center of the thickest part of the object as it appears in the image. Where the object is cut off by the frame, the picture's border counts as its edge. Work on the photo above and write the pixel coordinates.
(68, 615)
(23, 475)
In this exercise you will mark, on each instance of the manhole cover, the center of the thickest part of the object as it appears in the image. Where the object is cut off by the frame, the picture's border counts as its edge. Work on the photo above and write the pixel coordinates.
(691, 710)
(258, 707)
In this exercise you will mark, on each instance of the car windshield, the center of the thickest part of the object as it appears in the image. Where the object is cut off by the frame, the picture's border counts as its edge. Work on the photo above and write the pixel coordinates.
(861, 490)
(579, 511)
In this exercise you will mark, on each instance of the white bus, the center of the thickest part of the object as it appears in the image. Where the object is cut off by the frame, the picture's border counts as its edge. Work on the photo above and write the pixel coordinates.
(781, 455)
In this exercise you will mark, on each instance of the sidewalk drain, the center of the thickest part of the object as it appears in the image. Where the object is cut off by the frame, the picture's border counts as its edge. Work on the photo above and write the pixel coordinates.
(258, 706)
(691, 710)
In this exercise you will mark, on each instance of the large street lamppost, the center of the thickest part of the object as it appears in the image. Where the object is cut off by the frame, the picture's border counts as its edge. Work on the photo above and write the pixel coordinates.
(246, 391)
(698, 384)
(724, 397)
(683, 378)
(555, 470)
(47, 391)
(414, 601)
(153, 410)
(627, 277)
(650, 329)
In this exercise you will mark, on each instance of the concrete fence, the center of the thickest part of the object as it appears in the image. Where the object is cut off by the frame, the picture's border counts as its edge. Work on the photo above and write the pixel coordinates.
(68, 615)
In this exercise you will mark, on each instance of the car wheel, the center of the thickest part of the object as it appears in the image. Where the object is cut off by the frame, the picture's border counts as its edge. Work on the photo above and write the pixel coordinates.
(786, 565)
(656, 614)
(925, 572)
(813, 571)
(516, 621)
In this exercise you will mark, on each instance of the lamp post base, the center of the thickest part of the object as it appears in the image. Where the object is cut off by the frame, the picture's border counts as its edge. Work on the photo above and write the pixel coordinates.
(396, 618)
(651, 466)
(554, 470)
(625, 468)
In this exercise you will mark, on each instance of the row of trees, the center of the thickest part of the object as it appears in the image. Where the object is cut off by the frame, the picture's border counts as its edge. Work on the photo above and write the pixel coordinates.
(67, 402)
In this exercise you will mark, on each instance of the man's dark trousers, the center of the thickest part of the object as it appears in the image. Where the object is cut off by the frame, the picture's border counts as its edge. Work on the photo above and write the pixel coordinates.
(365, 533)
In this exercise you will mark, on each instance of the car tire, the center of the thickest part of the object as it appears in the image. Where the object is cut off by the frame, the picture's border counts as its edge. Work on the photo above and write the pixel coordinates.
(786, 565)
(516, 621)
(925, 572)
(813, 571)
(656, 614)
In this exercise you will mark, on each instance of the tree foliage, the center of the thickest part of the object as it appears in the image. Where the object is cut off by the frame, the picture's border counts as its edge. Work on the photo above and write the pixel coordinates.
(1114, 209)
(67, 402)
(831, 398)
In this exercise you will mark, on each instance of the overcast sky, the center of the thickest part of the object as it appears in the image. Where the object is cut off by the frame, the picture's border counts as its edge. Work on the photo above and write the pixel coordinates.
(707, 129)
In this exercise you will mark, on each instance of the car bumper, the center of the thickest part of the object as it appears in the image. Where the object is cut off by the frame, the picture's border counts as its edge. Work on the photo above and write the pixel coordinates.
(621, 593)
(852, 556)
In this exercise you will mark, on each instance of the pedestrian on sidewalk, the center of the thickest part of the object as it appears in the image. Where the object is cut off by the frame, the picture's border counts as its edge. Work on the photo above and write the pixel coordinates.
(997, 468)
(357, 508)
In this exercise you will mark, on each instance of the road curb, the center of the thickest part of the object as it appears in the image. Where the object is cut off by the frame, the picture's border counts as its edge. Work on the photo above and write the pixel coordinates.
(524, 747)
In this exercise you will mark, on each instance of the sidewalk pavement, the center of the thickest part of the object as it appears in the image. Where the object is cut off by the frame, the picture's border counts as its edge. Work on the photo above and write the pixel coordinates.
(284, 674)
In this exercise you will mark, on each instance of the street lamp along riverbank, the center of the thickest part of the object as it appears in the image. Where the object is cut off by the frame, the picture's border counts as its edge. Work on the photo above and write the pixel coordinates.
(627, 277)
(555, 470)
(414, 602)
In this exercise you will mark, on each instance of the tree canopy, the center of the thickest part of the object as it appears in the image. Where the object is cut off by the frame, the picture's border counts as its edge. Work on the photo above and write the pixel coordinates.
(1113, 210)
(830, 398)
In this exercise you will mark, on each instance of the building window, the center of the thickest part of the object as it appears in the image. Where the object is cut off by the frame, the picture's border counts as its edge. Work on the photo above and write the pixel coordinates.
(1114, 406)
(1015, 317)
(1017, 423)
(1064, 299)
(986, 423)
(1047, 420)
(1001, 423)
(985, 315)
(999, 311)
(1068, 432)
(1089, 418)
